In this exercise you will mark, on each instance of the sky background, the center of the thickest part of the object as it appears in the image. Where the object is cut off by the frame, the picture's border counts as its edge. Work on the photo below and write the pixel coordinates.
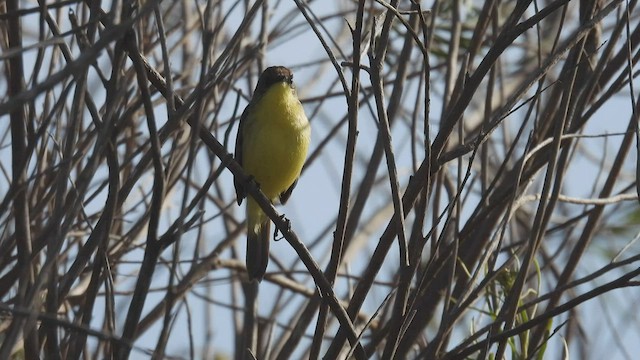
(313, 206)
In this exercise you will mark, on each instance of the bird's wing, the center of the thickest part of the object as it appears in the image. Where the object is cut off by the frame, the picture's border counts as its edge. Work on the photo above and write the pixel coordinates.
(241, 193)
(287, 193)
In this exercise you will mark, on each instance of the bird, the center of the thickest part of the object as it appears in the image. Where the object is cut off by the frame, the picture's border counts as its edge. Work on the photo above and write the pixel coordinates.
(271, 146)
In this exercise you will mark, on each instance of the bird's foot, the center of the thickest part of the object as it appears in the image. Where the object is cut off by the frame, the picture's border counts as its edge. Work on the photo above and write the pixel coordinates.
(288, 227)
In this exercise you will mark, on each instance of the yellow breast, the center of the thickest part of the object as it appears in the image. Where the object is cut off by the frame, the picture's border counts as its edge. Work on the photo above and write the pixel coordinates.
(276, 138)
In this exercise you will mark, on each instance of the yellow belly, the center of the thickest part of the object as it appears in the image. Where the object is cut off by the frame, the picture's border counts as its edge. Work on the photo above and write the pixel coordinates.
(276, 140)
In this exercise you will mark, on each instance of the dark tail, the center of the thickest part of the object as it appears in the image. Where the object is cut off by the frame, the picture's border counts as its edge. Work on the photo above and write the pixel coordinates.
(258, 251)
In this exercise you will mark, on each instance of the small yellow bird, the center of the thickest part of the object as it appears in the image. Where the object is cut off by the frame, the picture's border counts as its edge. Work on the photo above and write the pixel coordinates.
(272, 143)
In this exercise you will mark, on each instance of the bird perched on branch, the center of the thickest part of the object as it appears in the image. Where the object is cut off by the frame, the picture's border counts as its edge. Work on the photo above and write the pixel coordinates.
(272, 143)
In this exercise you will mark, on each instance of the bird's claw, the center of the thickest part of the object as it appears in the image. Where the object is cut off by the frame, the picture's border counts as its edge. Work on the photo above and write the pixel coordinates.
(288, 228)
